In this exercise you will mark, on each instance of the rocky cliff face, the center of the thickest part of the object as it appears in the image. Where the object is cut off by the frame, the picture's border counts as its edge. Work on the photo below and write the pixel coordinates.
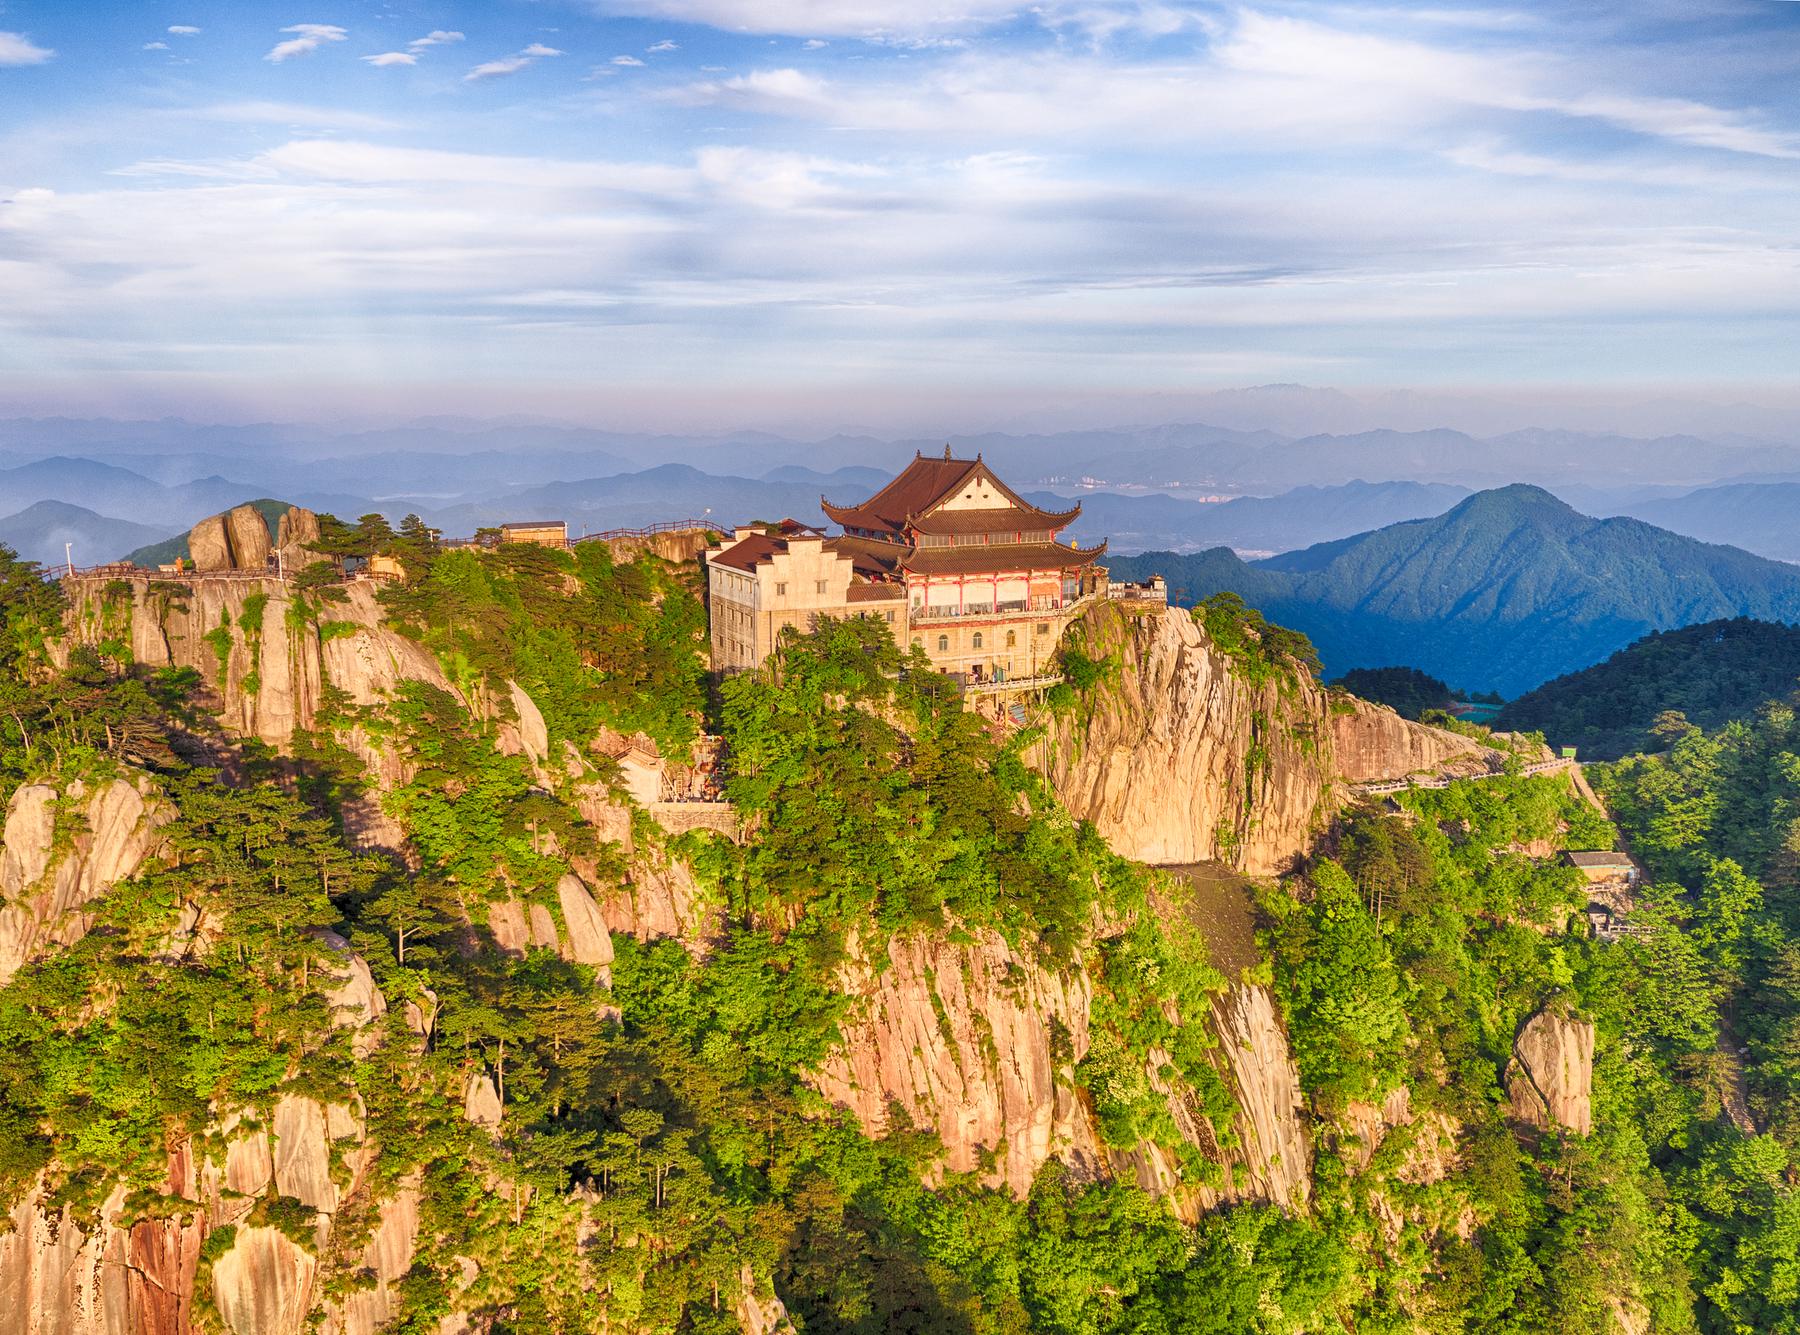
(127, 1272)
(1176, 758)
(976, 1043)
(63, 850)
(265, 666)
(979, 1044)
(1550, 1080)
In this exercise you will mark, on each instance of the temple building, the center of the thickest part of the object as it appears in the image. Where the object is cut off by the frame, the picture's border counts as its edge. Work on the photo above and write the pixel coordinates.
(954, 560)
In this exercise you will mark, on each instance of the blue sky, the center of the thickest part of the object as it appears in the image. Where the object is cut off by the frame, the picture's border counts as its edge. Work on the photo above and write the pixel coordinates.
(692, 212)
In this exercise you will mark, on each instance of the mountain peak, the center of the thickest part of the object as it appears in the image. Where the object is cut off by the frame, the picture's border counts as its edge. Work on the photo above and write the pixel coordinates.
(1518, 497)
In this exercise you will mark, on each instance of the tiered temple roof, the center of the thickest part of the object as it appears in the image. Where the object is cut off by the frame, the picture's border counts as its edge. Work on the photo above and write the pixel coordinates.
(911, 525)
(913, 504)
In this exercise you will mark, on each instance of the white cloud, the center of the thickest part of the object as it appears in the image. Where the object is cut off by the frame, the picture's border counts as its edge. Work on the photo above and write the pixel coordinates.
(309, 37)
(184, 30)
(1262, 82)
(497, 69)
(833, 18)
(387, 58)
(630, 62)
(379, 164)
(156, 46)
(436, 37)
(664, 45)
(17, 49)
(814, 44)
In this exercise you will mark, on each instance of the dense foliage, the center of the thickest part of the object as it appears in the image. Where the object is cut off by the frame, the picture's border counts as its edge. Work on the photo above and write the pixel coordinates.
(1407, 691)
(1261, 650)
(661, 1136)
(1709, 674)
(1716, 818)
(595, 643)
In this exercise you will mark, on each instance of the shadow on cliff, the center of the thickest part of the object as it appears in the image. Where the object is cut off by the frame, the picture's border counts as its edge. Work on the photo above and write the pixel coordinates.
(834, 1283)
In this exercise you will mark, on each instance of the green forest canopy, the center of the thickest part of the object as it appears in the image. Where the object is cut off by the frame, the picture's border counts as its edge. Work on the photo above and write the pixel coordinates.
(1411, 955)
(1709, 674)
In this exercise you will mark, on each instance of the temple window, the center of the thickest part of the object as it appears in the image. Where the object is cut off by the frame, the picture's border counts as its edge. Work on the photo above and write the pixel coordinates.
(977, 643)
(943, 644)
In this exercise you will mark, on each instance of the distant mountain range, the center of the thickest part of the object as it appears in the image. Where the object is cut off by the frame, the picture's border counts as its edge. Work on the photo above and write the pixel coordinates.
(1255, 524)
(39, 531)
(1508, 589)
(1763, 517)
(452, 459)
(108, 489)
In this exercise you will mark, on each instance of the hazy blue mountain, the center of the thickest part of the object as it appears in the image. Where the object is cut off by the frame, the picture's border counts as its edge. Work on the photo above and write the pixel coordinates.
(109, 489)
(39, 531)
(1510, 588)
(1296, 518)
(1711, 673)
(655, 495)
(872, 478)
(1762, 517)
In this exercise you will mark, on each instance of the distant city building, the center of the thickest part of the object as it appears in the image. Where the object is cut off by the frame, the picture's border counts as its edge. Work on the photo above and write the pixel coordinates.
(948, 555)
(542, 533)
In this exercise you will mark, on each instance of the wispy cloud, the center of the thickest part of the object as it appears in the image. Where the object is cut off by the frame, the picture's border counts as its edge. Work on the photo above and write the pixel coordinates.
(156, 46)
(437, 37)
(1262, 82)
(839, 18)
(184, 30)
(628, 62)
(308, 37)
(664, 45)
(387, 58)
(17, 49)
(499, 69)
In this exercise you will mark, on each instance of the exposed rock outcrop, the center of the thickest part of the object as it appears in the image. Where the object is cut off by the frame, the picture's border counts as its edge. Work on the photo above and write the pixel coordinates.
(968, 1042)
(1550, 1079)
(297, 538)
(678, 545)
(979, 1044)
(45, 883)
(139, 1274)
(235, 540)
(1177, 758)
(267, 669)
(1273, 1160)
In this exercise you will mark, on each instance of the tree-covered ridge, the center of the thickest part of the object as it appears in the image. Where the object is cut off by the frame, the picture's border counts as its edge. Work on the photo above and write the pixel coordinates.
(1411, 959)
(594, 642)
(1716, 820)
(1709, 674)
(1407, 691)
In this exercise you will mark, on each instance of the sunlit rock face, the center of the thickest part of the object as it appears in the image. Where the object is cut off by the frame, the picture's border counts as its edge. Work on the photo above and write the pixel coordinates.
(45, 887)
(1176, 758)
(1550, 1080)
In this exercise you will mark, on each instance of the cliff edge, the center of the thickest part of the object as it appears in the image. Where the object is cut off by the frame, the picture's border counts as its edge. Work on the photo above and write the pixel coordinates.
(1177, 755)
